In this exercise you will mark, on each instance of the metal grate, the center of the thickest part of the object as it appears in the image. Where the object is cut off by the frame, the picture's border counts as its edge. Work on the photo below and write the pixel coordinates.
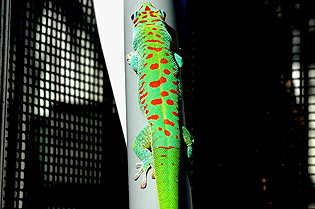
(61, 113)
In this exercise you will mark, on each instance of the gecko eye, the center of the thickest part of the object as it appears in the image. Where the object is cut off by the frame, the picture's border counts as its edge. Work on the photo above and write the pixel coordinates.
(134, 15)
(163, 14)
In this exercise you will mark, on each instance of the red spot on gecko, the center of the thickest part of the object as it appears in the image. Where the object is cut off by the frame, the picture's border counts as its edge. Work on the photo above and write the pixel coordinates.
(155, 41)
(170, 147)
(166, 71)
(175, 113)
(150, 33)
(153, 117)
(155, 84)
(147, 111)
(147, 8)
(141, 92)
(154, 66)
(160, 129)
(175, 83)
(164, 94)
(135, 20)
(143, 76)
(170, 102)
(149, 56)
(164, 61)
(167, 133)
(143, 101)
(156, 101)
(154, 29)
(157, 35)
(145, 64)
(142, 21)
(168, 122)
(157, 49)
(173, 91)
(163, 155)
(144, 95)
(142, 85)
(167, 54)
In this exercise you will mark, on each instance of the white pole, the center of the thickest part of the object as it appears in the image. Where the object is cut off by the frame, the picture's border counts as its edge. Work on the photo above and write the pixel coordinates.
(144, 198)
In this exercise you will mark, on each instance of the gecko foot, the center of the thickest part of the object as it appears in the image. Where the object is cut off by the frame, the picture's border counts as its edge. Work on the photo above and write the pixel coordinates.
(144, 168)
(128, 57)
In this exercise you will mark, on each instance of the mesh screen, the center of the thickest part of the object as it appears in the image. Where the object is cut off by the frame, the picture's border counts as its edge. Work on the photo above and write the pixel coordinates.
(61, 112)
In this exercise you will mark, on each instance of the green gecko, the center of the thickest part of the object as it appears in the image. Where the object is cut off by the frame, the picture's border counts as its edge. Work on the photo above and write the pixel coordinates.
(159, 93)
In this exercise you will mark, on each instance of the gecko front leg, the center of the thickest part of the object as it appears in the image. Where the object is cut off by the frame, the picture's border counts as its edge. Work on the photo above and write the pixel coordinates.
(141, 147)
(132, 59)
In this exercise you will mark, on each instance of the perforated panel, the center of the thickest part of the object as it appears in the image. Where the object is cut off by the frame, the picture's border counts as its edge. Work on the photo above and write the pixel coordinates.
(61, 111)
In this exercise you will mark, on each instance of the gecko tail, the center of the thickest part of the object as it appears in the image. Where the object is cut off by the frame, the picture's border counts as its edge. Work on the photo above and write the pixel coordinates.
(166, 173)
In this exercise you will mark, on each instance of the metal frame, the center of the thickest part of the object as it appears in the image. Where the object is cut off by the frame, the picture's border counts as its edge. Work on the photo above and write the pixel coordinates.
(4, 65)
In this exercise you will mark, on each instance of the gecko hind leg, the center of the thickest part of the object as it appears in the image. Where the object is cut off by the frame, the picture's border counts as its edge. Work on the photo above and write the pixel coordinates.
(141, 147)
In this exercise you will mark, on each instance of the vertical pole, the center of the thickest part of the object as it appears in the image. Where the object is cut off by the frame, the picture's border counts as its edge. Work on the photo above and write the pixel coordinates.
(5, 9)
(144, 198)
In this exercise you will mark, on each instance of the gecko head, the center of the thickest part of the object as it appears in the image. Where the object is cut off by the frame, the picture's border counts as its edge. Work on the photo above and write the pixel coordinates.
(148, 14)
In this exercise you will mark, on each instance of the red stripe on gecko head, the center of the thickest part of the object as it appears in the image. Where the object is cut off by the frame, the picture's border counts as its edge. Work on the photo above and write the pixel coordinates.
(147, 8)
(155, 41)
(157, 49)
